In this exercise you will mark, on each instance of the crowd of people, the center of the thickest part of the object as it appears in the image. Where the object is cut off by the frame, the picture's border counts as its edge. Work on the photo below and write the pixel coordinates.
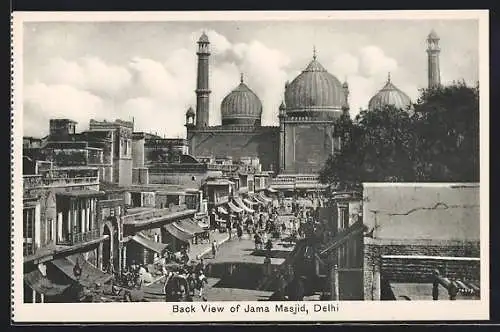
(186, 278)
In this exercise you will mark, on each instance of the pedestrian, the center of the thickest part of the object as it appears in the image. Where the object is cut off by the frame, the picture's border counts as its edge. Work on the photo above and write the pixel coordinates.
(269, 246)
(228, 228)
(257, 241)
(239, 231)
(435, 286)
(453, 290)
(214, 248)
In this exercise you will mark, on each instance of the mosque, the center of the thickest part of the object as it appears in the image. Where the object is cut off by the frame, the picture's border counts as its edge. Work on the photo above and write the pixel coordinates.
(306, 134)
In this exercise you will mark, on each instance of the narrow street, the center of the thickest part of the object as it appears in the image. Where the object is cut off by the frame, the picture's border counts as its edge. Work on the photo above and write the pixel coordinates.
(235, 272)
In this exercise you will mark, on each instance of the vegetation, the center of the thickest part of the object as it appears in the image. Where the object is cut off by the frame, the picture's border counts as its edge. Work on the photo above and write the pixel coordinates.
(437, 141)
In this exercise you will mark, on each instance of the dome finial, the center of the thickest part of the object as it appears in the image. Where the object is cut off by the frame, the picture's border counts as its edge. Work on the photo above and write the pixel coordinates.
(241, 77)
(389, 77)
(314, 52)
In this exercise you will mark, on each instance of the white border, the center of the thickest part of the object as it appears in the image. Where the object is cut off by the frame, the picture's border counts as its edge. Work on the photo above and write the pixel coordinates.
(161, 312)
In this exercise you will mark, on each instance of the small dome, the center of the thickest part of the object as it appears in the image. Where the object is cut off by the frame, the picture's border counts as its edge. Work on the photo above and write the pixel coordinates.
(241, 106)
(282, 105)
(433, 35)
(389, 95)
(203, 38)
(314, 90)
(190, 111)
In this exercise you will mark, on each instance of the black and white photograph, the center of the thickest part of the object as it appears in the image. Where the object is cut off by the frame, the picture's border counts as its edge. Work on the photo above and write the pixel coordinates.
(250, 166)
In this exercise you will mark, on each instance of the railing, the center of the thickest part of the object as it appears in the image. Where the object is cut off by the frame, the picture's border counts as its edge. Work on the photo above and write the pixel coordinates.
(32, 181)
(76, 238)
(79, 237)
(295, 179)
(37, 181)
(152, 214)
(221, 167)
(162, 168)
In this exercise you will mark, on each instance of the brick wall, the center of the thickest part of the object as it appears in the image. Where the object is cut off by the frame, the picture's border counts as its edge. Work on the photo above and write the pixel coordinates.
(412, 270)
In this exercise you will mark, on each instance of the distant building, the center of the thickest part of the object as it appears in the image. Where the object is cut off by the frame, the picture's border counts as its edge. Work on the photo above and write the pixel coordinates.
(306, 135)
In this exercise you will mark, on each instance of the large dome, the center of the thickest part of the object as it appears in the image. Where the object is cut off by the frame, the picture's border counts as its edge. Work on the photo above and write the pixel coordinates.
(389, 95)
(314, 89)
(241, 107)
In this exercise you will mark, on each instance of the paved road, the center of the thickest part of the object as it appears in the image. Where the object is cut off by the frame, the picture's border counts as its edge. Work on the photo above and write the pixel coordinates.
(238, 254)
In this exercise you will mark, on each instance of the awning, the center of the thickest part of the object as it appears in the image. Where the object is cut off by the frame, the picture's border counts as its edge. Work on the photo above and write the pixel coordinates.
(178, 233)
(264, 197)
(234, 208)
(157, 247)
(190, 226)
(255, 199)
(41, 284)
(221, 210)
(90, 274)
(260, 200)
(242, 205)
(249, 202)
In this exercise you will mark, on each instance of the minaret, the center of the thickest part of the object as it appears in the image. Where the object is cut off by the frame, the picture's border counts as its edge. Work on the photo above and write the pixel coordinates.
(282, 116)
(345, 88)
(433, 51)
(202, 90)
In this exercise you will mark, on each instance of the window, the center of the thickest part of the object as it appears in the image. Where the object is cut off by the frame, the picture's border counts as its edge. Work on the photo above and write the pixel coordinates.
(50, 236)
(28, 230)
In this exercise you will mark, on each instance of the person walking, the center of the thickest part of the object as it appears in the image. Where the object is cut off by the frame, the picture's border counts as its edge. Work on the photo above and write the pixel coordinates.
(435, 286)
(228, 228)
(239, 231)
(214, 248)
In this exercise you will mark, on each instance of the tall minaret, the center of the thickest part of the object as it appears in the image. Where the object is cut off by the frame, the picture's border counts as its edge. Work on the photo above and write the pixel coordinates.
(433, 51)
(202, 90)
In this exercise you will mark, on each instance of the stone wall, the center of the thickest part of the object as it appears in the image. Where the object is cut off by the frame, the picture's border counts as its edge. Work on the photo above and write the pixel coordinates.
(125, 171)
(417, 270)
(191, 179)
(263, 143)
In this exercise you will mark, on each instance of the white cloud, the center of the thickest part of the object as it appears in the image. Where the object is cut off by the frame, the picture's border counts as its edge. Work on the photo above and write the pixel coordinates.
(366, 72)
(157, 92)
(88, 73)
(42, 102)
(373, 61)
(345, 65)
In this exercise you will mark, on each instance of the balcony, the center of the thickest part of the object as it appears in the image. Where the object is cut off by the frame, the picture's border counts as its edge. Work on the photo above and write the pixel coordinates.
(39, 181)
(152, 214)
(80, 237)
(76, 238)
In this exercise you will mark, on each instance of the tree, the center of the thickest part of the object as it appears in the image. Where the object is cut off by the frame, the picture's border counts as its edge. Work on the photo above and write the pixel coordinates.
(446, 127)
(436, 142)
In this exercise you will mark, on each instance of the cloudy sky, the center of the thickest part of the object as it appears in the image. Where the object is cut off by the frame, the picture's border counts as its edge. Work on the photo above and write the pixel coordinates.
(147, 71)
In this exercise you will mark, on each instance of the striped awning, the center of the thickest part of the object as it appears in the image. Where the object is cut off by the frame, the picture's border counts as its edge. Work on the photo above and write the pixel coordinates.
(190, 226)
(259, 200)
(249, 202)
(264, 197)
(178, 233)
(234, 208)
(221, 210)
(157, 247)
(242, 205)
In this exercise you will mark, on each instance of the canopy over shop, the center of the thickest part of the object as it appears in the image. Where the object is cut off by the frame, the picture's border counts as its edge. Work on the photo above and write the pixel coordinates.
(184, 232)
